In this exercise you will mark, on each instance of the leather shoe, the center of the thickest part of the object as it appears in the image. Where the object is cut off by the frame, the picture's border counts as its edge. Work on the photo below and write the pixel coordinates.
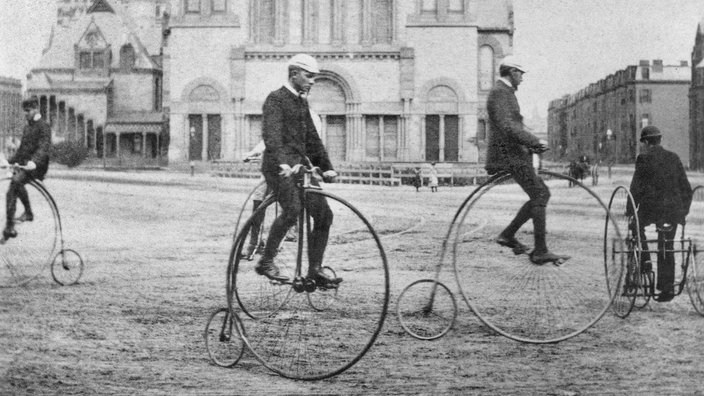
(547, 257)
(268, 269)
(9, 233)
(665, 296)
(26, 216)
(512, 242)
(323, 280)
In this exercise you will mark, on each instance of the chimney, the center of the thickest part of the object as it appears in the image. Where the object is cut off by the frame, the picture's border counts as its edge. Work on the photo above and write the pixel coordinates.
(644, 62)
(657, 66)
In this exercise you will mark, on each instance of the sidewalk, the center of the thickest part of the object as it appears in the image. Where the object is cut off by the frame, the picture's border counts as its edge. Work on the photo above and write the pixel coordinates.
(147, 177)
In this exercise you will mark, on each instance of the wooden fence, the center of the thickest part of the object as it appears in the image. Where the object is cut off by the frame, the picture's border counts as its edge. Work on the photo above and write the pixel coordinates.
(370, 174)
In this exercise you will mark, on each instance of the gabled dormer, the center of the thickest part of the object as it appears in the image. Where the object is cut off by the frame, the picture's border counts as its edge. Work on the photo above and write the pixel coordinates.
(92, 51)
(100, 6)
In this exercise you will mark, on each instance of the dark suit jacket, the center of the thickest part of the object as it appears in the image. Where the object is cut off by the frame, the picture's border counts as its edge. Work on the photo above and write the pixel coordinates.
(509, 143)
(289, 133)
(35, 146)
(660, 187)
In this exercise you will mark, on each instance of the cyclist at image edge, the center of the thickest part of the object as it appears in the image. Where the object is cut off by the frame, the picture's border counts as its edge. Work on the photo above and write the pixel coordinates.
(510, 149)
(291, 140)
(33, 154)
(662, 194)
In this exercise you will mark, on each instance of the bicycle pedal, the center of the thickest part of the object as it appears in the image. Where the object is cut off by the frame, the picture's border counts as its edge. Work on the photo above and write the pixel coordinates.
(560, 261)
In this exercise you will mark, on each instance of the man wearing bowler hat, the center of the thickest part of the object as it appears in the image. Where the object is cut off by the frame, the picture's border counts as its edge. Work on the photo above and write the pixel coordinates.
(662, 195)
(33, 156)
(510, 149)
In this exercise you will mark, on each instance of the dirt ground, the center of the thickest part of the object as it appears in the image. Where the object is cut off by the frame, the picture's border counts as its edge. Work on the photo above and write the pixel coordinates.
(156, 248)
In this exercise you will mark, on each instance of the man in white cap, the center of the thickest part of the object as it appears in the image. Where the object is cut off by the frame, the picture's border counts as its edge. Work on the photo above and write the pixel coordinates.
(510, 148)
(291, 140)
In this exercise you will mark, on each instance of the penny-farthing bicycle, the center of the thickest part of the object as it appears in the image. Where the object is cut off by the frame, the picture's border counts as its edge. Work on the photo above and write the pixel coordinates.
(638, 288)
(300, 329)
(39, 242)
(509, 294)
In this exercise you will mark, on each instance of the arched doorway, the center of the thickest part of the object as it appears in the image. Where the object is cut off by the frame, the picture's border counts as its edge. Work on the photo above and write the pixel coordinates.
(442, 125)
(204, 129)
(328, 99)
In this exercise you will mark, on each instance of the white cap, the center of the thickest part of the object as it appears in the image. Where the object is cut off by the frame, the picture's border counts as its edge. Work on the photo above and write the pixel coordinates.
(510, 61)
(305, 62)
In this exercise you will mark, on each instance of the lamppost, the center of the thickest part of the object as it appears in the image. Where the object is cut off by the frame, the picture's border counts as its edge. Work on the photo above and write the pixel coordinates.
(609, 150)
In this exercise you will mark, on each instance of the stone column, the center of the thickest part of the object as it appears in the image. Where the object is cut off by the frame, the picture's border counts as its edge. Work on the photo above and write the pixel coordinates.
(381, 138)
(204, 151)
(441, 138)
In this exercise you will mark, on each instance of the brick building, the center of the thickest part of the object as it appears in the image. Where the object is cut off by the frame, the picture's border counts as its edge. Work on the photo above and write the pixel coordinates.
(696, 102)
(603, 120)
(11, 120)
(99, 79)
(401, 80)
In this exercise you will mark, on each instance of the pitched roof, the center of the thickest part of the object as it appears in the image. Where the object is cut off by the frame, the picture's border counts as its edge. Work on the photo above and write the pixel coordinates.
(100, 6)
(113, 27)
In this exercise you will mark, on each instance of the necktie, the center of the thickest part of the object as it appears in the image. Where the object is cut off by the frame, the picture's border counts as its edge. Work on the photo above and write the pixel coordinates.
(303, 114)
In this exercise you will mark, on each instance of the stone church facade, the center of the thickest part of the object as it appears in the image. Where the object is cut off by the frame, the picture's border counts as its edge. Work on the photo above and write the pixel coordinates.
(401, 80)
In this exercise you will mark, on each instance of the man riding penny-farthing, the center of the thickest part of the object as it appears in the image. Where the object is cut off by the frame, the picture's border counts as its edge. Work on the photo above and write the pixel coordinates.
(530, 295)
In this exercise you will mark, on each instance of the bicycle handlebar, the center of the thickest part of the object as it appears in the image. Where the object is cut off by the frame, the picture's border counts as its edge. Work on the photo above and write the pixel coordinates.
(17, 166)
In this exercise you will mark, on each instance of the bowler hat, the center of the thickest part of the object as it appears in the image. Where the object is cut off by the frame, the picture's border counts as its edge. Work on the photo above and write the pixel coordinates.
(30, 103)
(649, 131)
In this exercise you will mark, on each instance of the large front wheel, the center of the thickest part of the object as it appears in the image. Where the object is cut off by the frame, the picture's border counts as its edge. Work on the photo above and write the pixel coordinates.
(22, 258)
(521, 300)
(316, 332)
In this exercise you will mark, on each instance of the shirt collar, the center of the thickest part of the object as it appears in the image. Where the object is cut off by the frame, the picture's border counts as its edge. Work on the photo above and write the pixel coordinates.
(507, 82)
(288, 86)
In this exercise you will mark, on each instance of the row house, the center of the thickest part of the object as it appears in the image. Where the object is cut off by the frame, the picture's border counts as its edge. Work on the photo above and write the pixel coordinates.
(604, 119)
(696, 102)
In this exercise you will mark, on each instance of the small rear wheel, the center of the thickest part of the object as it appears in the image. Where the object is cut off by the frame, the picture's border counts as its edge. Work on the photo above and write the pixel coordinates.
(67, 267)
(222, 340)
(426, 309)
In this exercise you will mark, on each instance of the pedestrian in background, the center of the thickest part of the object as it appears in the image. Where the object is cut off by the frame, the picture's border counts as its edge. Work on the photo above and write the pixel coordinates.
(433, 184)
(417, 179)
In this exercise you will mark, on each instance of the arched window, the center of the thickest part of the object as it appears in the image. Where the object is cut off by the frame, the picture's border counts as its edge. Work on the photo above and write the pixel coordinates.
(127, 57)
(486, 67)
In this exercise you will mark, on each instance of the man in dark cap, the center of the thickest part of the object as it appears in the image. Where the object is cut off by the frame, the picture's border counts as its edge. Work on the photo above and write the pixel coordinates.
(33, 156)
(662, 195)
(510, 149)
